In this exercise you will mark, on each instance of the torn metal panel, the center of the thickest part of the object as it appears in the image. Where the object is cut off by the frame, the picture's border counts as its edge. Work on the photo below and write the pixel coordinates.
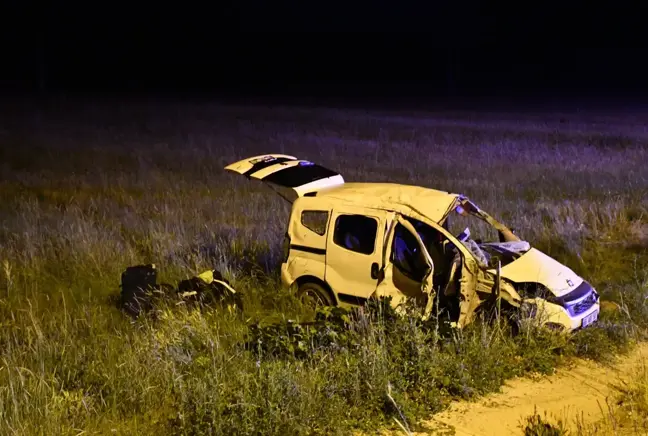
(535, 266)
(468, 300)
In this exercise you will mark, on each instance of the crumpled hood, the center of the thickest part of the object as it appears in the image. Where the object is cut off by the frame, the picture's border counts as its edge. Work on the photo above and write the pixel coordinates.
(535, 266)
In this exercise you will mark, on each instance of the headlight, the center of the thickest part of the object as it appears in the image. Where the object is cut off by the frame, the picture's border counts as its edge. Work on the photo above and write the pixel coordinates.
(583, 290)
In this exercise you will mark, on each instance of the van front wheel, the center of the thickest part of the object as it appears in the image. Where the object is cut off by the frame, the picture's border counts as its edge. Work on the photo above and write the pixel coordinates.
(314, 295)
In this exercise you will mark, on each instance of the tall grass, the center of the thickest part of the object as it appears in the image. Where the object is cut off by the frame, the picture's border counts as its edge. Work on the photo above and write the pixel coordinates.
(86, 190)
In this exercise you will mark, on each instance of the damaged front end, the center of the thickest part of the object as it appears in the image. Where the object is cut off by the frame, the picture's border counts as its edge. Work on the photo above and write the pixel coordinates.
(577, 309)
(525, 277)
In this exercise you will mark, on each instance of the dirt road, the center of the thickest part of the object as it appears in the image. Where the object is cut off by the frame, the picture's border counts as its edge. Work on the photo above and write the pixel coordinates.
(579, 390)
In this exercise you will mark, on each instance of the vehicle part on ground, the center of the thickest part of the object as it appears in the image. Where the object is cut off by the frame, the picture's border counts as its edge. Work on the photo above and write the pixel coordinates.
(140, 292)
(208, 288)
(138, 286)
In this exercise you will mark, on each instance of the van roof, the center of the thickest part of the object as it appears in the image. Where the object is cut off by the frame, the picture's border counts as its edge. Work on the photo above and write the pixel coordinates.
(431, 203)
(307, 179)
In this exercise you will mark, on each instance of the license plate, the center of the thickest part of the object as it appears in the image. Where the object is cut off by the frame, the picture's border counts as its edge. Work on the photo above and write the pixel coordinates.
(589, 319)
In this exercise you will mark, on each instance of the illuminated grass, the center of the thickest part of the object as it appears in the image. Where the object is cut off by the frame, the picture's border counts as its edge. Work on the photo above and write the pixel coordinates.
(85, 192)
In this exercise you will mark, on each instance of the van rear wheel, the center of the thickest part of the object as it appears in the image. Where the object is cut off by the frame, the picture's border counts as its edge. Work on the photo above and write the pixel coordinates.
(314, 295)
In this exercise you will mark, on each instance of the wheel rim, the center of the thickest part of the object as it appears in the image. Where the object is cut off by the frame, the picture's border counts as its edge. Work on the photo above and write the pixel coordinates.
(312, 298)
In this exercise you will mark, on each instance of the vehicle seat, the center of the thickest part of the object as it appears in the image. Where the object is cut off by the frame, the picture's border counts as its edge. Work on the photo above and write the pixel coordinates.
(351, 241)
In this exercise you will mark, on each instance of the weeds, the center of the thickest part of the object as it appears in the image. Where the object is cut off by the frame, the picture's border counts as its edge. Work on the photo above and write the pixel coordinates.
(539, 426)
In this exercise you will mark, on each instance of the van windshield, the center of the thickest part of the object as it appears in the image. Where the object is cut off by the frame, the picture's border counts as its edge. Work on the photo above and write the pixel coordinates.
(479, 230)
(482, 238)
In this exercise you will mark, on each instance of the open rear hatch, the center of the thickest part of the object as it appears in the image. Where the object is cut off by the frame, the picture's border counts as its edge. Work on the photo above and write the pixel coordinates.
(297, 176)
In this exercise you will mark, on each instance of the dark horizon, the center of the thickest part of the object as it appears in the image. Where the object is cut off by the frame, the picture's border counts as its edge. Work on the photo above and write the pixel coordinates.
(468, 52)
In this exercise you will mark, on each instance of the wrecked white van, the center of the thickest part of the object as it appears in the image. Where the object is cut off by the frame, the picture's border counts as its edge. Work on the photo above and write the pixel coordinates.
(347, 242)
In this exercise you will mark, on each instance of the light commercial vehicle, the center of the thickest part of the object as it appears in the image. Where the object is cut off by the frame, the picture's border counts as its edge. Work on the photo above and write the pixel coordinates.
(348, 242)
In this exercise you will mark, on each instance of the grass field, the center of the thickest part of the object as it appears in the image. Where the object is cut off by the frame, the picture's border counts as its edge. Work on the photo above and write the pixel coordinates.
(88, 189)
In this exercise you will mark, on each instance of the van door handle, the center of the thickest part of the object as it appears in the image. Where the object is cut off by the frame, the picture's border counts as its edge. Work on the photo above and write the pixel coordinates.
(375, 269)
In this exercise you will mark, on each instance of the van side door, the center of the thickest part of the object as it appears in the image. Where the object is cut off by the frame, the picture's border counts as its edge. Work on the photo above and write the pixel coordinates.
(307, 238)
(354, 252)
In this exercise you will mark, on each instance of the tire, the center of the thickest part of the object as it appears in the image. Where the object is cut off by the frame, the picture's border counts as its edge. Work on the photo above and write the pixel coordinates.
(314, 295)
(509, 317)
(518, 317)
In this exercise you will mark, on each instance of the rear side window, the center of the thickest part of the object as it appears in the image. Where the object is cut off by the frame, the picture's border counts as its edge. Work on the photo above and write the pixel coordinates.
(356, 233)
(315, 220)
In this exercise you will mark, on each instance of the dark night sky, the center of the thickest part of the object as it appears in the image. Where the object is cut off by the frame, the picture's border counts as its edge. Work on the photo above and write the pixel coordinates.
(346, 48)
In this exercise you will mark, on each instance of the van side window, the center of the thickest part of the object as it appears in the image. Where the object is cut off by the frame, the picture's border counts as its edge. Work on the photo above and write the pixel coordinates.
(356, 233)
(315, 220)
